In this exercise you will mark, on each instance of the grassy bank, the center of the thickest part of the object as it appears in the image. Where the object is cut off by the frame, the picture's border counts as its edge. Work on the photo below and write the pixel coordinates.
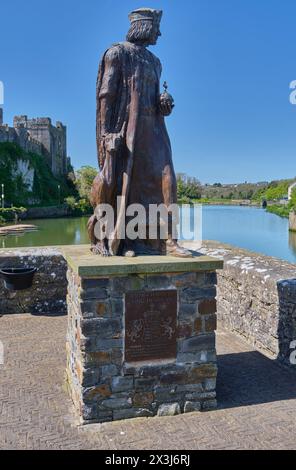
(282, 211)
(219, 202)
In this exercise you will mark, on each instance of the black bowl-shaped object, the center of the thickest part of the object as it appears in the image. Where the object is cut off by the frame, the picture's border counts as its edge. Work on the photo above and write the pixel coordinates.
(18, 278)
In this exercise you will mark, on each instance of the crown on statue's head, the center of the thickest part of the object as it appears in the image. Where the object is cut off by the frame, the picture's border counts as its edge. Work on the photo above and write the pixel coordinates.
(145, 14)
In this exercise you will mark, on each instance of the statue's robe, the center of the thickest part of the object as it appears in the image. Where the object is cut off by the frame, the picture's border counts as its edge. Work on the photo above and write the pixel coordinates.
(140, 168)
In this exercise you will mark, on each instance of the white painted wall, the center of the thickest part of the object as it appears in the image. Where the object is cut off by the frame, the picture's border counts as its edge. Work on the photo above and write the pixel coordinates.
(290, 190)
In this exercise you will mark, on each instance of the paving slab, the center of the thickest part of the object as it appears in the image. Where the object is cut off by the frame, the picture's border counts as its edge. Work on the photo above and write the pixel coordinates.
(256, 399)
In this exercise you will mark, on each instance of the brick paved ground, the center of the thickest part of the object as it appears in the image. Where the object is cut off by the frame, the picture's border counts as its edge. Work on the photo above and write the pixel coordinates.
(257, 400)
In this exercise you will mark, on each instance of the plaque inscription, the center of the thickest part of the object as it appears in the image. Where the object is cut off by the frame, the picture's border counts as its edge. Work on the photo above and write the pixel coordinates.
(150, 325)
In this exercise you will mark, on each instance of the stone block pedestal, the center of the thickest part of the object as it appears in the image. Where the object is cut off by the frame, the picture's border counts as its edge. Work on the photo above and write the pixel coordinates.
(140, 338)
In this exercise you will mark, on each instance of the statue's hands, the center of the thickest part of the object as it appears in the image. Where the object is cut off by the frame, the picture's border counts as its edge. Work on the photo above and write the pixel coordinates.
(166, 104)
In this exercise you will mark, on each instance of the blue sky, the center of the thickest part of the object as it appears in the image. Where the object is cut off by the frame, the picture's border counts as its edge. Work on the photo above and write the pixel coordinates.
(228, 64)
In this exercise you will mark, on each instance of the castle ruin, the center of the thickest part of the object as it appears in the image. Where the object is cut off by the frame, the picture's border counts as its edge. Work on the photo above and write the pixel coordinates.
(40, 136)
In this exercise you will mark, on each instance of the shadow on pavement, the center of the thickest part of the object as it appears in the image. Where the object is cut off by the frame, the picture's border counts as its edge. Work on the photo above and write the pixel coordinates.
(249, 378)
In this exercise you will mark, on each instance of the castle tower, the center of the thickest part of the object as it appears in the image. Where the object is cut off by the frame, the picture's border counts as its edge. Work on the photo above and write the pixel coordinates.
(53, 140)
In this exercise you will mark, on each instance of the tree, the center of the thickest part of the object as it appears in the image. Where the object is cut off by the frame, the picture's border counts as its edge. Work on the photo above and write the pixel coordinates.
(181, 177)
(193, 188)
(84, 180)
(188, 187)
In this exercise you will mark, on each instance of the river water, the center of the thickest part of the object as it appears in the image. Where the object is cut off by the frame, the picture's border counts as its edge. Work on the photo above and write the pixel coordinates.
(247, 227)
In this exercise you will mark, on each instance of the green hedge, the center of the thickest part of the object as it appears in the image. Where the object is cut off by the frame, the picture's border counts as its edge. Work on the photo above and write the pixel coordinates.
(79, 207)
(9, 214)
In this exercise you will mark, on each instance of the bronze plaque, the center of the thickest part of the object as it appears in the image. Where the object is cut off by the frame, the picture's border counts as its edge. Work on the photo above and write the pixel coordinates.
(150, 325)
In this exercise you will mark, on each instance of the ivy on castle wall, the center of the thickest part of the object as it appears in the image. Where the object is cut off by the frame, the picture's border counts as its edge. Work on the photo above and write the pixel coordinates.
(45, 185)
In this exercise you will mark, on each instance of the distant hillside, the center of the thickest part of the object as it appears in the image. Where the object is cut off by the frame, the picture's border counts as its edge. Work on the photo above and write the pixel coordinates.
(275, 190)
(28, 179)
(270, 191)
(232, 191)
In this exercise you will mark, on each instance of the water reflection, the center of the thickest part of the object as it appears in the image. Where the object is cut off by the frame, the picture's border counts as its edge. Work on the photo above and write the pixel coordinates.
(250, 228)
(67, 231)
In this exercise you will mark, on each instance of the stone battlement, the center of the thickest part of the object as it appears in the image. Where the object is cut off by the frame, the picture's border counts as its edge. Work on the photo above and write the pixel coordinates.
(23, 120)
(40, 136)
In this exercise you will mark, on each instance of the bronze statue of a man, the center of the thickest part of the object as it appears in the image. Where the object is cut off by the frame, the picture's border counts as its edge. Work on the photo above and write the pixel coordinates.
(134, 149)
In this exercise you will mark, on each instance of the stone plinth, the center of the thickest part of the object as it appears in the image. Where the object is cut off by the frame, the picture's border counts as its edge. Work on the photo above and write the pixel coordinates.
(141, 338)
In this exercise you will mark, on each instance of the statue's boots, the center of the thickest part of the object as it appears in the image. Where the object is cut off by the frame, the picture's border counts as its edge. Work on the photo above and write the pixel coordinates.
(129, 249)
(172, 248)
(100, 249)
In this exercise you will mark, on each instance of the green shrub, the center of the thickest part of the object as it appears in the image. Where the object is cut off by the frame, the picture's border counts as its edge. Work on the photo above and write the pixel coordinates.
(10, 213)
(83, 205)
(71, 202)
(79, 207)
(188, 188)
(184, 200)
(84, 180)
(282, 211)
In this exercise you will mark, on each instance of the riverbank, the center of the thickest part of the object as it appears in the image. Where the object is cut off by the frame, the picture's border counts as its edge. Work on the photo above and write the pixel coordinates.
(65, 210)
(15, 214)
(281, 210)
(49, 212)
(226, 202)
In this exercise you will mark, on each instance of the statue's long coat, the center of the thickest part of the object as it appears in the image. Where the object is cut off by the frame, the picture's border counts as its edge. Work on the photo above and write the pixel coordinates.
(140, 168)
